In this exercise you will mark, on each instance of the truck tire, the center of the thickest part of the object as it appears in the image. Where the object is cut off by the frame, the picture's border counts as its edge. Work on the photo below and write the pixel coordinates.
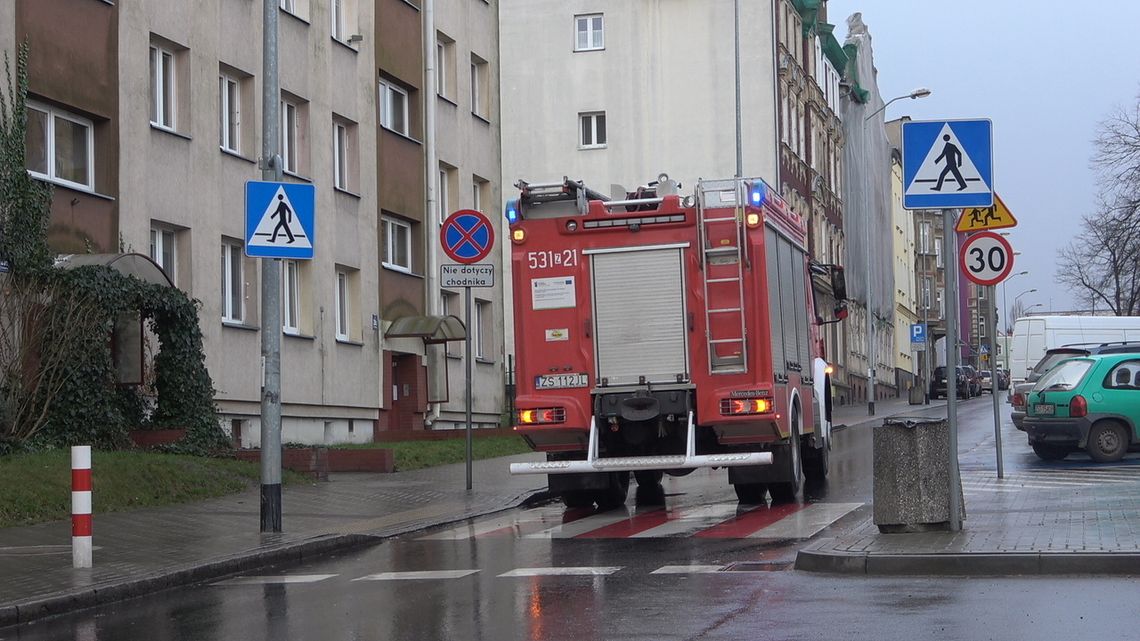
(648, 477)
(578, 499)
(751, 493)
(614, 496)
(786, 491)
(816, 462)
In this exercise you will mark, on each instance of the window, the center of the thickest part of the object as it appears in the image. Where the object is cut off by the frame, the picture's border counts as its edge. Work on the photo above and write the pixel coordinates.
(589, 32)
(479, 81)
(1124, 376)
(229, 104)
(337, 13)
(288, 146)
(342, 304)
(981, 326)
(451, 308)
(444, 66)
(340, 156)
(289, 5)
(938, 255)
(941, 303)
(479, 188)
(925, 293)
(443, 194)
(593, 130)
(233, 285)
(397, 244)
(393, 108)
(60, 147)
(290, 297)
(924, 237)
(480, 330)
(163, 250)
(162, 111)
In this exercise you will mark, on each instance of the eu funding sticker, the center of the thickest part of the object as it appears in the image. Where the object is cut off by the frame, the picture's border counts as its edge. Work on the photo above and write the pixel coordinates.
(467, 275)
(553, 293)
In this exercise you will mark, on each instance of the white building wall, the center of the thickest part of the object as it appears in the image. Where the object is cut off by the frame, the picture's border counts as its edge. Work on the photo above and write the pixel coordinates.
(665, 80)
(468, 146)
(906, 302)
(185, 181)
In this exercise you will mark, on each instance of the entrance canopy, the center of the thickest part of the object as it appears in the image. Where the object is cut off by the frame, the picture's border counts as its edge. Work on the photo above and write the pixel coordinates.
(432, 329)
(137, 265)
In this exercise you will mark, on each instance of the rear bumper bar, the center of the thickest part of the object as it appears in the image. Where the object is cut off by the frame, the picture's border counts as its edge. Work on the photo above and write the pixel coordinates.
(690, 460)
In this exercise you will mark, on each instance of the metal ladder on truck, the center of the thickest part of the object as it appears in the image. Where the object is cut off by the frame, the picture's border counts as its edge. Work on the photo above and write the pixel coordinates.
(722, 272)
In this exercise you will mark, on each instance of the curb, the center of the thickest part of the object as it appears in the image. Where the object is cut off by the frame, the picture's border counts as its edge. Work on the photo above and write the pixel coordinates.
(71, 601)
(969, 564)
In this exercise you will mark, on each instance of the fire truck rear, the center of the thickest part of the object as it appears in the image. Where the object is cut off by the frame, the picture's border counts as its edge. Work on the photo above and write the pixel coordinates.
(662, 332)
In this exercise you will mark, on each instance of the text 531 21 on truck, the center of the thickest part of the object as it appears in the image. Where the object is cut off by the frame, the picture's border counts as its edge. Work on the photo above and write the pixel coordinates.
(663, 332)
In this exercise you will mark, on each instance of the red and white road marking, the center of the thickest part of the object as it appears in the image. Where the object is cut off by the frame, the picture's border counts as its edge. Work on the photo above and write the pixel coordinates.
(718, 520)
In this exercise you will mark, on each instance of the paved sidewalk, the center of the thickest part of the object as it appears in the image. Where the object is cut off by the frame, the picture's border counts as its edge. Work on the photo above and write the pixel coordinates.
(144, 550)
(843, 416)
(1068, 517)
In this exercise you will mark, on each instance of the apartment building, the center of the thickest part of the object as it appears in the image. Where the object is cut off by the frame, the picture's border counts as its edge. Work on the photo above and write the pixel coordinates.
(438, 146)
(907, 374)
(619, 91)
(930, 278)
(810, 62)
(150, 114)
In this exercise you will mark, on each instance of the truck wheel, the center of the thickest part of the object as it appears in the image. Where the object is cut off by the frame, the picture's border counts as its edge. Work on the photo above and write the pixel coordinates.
(816, 462)
(1108, 441)
(578, 499)
(751, 493)
(614, 496)
(1050, 452)
(786, 491)
(648, 477)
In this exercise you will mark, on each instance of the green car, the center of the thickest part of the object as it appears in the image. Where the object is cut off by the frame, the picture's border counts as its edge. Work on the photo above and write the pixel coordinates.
(1090, 403)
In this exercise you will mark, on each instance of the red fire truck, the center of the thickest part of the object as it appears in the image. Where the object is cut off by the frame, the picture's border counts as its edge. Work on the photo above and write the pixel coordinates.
(663, 332)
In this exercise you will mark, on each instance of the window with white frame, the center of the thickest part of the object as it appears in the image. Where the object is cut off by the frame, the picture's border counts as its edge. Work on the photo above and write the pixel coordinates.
(288, 145)
(479, 81)
(393, 107)
(340, 155)
(444, 66)
(479, 188)
(163, 250)
(336, 11)
(162, 87)
(289, 5)
(233, 285)
(589, 32)
(926, 285)
(343, 306)
(450, 307)
(982, 326)
(924, 237)
(60, 147)
(290, 297)
(938, 254)
(229, 110)
(397, 244)
(941, 303)
(592, 130)
(482, 327)
(443, 192)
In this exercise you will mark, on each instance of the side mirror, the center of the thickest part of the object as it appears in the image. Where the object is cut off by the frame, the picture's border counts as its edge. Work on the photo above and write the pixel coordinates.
(838, 283)
(841, 311)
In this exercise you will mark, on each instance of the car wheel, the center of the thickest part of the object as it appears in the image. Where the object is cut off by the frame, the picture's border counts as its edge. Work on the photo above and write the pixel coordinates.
(1108, 441)
(1050, 451)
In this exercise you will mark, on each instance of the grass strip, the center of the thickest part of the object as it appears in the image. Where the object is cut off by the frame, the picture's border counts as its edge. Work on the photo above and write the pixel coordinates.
(414, 455)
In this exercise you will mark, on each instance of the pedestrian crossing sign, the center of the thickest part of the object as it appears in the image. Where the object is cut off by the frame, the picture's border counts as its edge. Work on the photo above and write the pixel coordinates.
(279, 220)
(947, 164)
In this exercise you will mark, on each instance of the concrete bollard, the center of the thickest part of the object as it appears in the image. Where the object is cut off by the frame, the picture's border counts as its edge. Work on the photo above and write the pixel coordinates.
(81, 506)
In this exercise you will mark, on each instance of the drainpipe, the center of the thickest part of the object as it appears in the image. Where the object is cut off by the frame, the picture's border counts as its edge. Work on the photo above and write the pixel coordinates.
(435, 367)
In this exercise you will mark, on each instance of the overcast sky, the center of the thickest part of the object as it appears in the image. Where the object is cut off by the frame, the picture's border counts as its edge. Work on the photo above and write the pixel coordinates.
(1045, 72)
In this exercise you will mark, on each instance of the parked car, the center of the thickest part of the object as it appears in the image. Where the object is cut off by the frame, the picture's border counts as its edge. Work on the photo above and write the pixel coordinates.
(1053, 356)
(975, 387)
(1090, 403)
(986, 380)
(938, 383)
(1002, 378)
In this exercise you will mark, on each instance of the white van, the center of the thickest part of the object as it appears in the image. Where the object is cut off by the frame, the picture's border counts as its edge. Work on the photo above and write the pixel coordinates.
(1032, 335)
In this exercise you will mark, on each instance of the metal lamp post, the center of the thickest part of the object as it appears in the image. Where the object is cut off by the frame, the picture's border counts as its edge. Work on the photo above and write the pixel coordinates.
(1005, 305)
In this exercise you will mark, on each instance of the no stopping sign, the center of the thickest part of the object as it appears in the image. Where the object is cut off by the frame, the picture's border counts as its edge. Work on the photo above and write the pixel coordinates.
(986, 258)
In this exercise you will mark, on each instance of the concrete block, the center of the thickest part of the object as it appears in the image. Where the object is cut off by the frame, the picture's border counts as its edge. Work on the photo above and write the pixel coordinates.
(912, 476)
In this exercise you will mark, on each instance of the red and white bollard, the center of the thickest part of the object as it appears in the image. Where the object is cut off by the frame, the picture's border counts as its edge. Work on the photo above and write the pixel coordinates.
(81, 506)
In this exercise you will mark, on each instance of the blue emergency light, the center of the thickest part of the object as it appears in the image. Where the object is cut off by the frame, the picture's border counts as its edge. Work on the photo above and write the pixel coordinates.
(758, 191)
(512, 211)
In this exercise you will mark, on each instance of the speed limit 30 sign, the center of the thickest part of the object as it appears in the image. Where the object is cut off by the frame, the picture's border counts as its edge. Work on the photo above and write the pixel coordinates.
(986, 258)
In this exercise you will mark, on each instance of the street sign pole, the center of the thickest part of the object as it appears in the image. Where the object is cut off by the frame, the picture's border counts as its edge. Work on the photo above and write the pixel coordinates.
(270, 286)
(994, 385)
(952, 353)
(467, 359)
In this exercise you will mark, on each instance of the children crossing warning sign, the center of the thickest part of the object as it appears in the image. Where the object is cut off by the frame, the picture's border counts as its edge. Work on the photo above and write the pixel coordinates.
(947, 163)
(279, 220)
(981, 218)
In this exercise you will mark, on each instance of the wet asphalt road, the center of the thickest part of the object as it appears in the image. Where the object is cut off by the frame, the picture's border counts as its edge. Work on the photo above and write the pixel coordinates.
(686, 587)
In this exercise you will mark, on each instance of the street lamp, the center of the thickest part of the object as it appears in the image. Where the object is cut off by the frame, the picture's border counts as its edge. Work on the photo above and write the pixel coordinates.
(1034, 305)
(920, 92)
(1005, 304)
(1028, 291)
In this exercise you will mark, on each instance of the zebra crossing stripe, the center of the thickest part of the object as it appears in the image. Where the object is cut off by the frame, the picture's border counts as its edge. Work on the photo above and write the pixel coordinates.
(563, 571)
(571, 530)
(629, 526)
(266, 580)
(688, 569)
(749, 522)
(806, 523)
(417, 576)
(689, 520)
